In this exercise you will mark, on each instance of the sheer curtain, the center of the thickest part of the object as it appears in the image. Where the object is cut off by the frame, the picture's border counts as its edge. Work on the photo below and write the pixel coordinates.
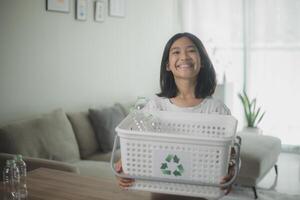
(256, 44)
(274, 65)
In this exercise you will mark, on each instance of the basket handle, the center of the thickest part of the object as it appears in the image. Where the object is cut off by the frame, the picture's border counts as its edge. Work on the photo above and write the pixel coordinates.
(237, 145)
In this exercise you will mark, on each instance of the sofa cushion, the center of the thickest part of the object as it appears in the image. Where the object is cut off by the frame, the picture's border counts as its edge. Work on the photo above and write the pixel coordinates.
(259, 153)
(104, 122)
(99, 156)
(49, 136)
(95, 169)
(84, 133)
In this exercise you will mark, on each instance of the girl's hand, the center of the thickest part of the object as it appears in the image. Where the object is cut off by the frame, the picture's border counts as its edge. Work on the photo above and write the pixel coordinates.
(231, 171)
(227, 178)
(122, 182)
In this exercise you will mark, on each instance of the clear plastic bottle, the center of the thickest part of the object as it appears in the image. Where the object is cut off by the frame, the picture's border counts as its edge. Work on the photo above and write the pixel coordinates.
(144, 121)
(140, 103)
(15, 180)
(23, 173)
(6, 176)
(138, 115)
(11, 177)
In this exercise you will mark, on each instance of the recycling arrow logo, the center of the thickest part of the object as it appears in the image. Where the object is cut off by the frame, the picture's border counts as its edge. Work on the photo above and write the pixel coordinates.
(165, 166)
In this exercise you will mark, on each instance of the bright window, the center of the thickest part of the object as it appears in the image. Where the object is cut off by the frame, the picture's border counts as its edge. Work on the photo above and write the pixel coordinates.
(255, 43)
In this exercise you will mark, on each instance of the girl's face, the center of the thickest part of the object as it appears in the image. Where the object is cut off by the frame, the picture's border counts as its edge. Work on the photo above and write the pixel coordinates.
(184, 59)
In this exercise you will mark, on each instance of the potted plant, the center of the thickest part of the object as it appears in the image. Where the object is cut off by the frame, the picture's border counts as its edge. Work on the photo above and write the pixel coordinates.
(252, 113)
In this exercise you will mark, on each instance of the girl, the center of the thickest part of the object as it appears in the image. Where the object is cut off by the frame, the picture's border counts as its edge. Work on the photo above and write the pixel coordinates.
(187, 81)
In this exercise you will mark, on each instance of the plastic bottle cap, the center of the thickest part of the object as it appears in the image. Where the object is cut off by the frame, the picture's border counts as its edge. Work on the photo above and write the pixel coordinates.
(18, 157)
(7, 162)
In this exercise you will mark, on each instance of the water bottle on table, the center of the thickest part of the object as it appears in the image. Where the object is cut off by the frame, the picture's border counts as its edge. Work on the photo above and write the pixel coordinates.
(6, 176)
(23, 173)
(11, 179)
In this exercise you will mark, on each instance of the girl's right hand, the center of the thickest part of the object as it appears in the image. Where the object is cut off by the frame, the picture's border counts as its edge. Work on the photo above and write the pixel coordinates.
(123, 182)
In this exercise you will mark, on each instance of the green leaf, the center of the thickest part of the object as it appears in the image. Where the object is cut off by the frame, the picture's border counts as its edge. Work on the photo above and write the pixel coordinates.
(249, 105)
(261, 117)
(254, 105)
(252, 112)
(245, 106)
(256, 114)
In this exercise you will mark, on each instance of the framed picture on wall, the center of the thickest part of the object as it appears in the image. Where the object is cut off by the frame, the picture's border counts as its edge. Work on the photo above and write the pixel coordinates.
(81, 9)
(117, 8)
(58, 5)
(99, 11)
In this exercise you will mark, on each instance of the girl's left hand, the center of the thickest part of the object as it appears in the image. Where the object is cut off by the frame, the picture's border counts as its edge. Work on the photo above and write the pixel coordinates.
(227, 178)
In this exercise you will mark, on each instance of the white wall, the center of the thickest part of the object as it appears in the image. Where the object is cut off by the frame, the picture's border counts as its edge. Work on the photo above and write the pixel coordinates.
(50, 60)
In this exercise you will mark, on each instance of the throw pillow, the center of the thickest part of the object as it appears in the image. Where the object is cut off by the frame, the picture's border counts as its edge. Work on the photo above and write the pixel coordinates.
(104, 122)
(84, 133)
(48, 136)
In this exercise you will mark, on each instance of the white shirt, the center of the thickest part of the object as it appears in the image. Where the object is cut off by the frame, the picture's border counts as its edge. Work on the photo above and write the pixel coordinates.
(209, 105)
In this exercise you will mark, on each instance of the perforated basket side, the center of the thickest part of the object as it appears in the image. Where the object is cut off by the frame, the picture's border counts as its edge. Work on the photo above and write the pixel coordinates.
(191, 124)
(202, 163)
(178, 189)
(207, 164)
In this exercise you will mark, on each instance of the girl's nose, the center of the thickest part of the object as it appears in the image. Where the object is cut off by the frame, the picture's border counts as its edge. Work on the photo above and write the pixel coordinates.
(184, 56)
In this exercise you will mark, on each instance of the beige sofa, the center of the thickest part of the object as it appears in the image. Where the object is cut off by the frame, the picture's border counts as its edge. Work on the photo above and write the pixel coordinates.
(58, 140)
(73, 142)
(259, 154)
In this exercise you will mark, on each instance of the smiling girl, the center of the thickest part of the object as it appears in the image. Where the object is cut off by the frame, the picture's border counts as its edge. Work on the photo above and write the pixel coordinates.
(187, 81)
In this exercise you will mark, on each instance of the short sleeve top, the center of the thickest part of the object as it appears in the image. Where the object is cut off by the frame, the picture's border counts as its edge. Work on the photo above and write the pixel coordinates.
(209, 105)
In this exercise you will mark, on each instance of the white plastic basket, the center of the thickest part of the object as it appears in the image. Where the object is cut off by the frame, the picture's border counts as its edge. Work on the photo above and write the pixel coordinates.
(183, 153)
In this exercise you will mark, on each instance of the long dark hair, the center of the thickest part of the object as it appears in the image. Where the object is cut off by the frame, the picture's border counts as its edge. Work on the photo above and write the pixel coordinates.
(206, 79)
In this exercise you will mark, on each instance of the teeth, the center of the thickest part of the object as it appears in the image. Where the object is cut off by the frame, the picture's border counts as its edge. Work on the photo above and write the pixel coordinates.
(185, 66)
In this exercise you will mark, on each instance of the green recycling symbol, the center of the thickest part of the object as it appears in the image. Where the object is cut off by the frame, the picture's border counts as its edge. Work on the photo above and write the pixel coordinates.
(165, 168)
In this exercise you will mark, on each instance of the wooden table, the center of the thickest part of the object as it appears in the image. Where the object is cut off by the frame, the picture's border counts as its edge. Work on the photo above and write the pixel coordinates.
(49, 184)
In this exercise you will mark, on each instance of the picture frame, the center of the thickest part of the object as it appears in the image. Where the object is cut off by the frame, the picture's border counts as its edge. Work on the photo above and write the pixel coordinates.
(99, 11)
(58, 5)
(117, 8)
(81, 9)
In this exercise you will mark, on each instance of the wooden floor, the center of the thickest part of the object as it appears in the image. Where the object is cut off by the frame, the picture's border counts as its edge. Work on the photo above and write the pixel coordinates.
(288, 180)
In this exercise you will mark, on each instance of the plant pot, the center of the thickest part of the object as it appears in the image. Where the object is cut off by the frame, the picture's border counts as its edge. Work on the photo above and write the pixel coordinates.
(252, 130)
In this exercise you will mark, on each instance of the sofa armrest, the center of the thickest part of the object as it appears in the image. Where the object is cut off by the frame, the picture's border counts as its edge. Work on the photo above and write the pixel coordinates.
(34, 163)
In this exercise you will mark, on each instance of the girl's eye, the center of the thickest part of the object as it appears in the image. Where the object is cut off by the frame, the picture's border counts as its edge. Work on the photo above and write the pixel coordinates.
(192, 50)
(175, 52)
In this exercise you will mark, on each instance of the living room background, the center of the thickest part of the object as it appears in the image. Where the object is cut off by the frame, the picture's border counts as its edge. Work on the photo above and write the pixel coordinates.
(50, 59)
